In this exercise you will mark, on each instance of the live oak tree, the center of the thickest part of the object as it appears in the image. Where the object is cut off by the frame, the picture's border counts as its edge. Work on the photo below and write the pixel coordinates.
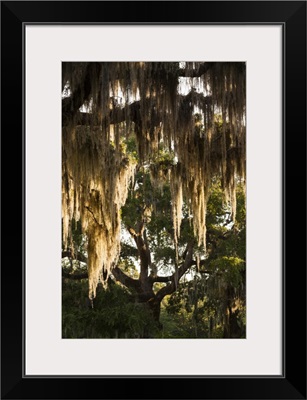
(176, 125)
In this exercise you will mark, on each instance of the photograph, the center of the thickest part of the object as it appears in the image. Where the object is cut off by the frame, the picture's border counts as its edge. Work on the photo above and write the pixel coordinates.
(153, 200)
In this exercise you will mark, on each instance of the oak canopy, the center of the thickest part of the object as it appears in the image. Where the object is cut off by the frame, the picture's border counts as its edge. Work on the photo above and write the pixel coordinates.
(196, 110)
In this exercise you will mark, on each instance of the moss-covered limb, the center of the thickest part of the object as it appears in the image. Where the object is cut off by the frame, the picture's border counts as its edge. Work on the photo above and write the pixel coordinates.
(195, 71)
(118, 274)
(129, 112)
(198, 69)
(83, 81)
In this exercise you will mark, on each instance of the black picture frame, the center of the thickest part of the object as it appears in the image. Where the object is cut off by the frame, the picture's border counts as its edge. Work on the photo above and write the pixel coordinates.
(292, 16)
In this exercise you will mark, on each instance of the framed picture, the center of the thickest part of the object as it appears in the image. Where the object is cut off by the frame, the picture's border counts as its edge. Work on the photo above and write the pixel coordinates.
(178, 95)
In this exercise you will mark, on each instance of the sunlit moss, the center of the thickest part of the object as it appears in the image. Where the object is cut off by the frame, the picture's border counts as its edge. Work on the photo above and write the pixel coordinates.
(96, 170)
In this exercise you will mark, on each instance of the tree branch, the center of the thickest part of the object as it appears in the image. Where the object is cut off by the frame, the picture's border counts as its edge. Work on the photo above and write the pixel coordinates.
(201, 70)
(130, 112)
(170, 288)
(120, 276)
(128, 251)
(162, 278)
(83, 275)
(196, 73)
(78, 256)
(81, 94)
(143, 250)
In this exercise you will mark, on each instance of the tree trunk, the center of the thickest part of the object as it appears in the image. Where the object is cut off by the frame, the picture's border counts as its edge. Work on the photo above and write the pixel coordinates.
(155, 308)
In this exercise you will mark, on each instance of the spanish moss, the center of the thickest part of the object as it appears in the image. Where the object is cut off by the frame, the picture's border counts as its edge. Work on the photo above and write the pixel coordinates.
(195, 110)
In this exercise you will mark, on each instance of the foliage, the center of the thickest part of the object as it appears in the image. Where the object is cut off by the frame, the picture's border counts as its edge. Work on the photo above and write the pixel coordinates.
(217, 288)
(199, 308)
(115, 313)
